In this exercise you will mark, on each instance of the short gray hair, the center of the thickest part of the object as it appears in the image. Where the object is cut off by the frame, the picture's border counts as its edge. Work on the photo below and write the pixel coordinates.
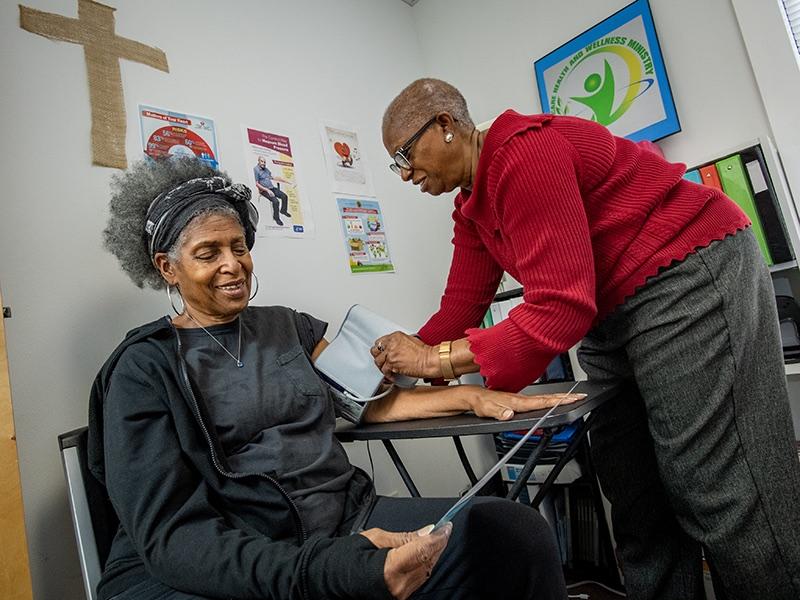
(131, 194)
(423, 99)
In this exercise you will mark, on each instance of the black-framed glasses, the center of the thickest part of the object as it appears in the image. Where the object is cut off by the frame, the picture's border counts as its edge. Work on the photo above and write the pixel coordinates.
(401, 160)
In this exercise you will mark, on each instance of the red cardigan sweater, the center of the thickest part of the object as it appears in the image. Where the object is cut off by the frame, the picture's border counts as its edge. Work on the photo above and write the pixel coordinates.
(581, 218)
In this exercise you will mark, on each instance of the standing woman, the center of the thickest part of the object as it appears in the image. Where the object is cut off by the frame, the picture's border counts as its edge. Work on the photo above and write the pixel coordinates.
(664, 282)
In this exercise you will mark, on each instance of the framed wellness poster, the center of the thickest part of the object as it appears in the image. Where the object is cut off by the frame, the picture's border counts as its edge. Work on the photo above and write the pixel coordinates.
(613, 74)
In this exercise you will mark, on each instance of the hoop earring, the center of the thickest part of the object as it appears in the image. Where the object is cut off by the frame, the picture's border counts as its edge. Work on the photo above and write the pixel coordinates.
(253, 295)
(172, 301)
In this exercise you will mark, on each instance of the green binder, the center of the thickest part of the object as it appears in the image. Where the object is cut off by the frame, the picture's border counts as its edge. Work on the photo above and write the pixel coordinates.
(736, 185)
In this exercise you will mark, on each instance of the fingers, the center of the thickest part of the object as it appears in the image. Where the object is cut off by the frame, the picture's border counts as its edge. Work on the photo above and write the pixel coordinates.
(520, 404)
(407, 567)
(381, 361)
(391, 340)
(388, 370)
(388, 539)
(385, 353)
(378, 352)
(503, 406)
(428, 546)
(502, 411)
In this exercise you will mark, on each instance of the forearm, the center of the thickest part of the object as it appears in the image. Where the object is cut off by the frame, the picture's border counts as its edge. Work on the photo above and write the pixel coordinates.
(460, 358)
(471, 285)
(419, 403)
(428, 402)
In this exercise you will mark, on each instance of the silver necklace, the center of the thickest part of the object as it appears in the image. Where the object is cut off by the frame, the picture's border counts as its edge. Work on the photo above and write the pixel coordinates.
(238, 356)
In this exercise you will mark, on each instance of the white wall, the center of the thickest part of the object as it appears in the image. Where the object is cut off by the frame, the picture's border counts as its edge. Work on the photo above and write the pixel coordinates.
(487, 49)
(274, 65)
(776, 64)
(278, 66)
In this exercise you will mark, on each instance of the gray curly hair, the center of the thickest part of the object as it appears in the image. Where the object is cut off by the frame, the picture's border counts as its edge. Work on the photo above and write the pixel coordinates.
(131, 194)
(421, 100)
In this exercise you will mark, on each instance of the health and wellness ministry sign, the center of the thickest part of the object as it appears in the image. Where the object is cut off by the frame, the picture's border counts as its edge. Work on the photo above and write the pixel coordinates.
(612, 74)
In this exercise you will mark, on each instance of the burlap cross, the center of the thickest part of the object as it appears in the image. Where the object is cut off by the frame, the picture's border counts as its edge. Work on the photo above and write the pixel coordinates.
(102, 48)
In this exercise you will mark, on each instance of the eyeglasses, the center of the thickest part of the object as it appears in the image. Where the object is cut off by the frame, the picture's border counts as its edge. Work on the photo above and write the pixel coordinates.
(401, 160)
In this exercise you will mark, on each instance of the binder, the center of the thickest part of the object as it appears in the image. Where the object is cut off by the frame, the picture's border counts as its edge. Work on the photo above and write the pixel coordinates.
(506, 306)
(736, 185)
(693, 176)
(710, 176)
(766, 201)
(494, 311)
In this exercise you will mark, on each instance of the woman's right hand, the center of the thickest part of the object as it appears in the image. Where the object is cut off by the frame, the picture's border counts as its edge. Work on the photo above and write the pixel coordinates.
(504, 405)
(412, 556)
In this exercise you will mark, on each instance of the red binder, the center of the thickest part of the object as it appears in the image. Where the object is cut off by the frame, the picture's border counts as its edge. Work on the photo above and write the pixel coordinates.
(710, 176)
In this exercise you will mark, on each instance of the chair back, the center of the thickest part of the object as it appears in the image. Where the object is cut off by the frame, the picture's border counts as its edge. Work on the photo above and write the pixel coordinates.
(93, 517)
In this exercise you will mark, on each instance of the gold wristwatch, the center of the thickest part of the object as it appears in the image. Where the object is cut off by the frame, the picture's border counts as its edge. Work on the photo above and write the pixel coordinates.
(444, 360)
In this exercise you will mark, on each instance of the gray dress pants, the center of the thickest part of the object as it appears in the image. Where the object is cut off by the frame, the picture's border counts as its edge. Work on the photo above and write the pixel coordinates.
(698, 451)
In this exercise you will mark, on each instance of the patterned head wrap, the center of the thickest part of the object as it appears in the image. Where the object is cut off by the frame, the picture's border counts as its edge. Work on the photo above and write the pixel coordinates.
(172, 210)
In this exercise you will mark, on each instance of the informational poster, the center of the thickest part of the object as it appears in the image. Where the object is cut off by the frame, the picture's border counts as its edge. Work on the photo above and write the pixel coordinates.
(365, 236)
(613, 74)
(347, 171)
(170, 133)
(283, 212)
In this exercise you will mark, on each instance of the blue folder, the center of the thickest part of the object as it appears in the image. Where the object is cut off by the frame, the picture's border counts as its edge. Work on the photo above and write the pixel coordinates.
(693, 176)
(564, 435)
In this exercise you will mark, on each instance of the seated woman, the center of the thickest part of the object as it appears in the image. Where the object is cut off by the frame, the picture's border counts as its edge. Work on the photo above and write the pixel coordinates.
(215, 437)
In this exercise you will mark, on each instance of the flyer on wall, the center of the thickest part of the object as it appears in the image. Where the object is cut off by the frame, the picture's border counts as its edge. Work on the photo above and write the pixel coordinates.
(282, 210)
(365, 236)
(170, 133)
(344, 159)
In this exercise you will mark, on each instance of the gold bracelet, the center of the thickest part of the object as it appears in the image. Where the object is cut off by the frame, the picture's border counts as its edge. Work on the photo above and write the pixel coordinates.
(444, 360)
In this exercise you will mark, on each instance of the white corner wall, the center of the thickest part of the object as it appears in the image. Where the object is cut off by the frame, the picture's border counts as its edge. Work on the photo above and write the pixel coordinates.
(280, 66)
(776, 64)
(487, 49)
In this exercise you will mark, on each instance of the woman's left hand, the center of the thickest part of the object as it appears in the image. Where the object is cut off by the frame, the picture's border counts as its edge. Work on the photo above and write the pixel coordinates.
(402, 354)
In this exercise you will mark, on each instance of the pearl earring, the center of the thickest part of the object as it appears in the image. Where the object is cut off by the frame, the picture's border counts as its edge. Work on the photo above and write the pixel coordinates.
(448, 137)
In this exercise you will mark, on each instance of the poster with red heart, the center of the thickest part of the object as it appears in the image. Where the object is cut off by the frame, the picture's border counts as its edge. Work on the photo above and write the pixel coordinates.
(344, 159)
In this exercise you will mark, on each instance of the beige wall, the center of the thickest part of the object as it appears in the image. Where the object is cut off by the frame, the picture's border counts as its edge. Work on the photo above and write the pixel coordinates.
(15, 579)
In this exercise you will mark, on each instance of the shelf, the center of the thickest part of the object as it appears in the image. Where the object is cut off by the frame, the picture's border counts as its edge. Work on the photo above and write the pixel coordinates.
(783, 266)
(792, 368)
(507, 295)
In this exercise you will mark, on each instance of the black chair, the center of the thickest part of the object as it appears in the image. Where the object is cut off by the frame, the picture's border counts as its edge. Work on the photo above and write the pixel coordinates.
(93, 517)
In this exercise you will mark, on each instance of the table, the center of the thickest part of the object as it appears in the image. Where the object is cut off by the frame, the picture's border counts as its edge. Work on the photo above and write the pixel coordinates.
(468, 424)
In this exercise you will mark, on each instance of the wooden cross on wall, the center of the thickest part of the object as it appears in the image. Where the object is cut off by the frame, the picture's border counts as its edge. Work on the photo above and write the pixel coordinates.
(102, 49)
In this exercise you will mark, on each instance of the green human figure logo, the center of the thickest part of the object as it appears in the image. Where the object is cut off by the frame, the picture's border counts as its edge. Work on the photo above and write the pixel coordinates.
(601, 95)
(605, 99)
